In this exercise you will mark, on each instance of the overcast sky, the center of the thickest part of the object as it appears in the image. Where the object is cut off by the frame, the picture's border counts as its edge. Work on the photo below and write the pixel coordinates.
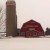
(38, 10)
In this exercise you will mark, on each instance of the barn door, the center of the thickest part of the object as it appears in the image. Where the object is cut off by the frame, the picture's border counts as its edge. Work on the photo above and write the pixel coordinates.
(29, 34)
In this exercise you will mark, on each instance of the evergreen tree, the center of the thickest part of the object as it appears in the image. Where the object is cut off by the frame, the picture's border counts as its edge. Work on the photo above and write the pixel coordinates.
(47, 31)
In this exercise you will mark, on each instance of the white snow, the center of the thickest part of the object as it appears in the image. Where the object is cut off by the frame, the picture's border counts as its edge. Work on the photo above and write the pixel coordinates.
(25, 44)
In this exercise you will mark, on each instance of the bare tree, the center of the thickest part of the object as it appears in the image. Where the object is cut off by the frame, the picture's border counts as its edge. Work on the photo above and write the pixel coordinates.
(2, 22)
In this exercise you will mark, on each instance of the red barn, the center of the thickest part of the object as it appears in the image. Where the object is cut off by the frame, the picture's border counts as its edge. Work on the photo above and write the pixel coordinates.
(32, 29)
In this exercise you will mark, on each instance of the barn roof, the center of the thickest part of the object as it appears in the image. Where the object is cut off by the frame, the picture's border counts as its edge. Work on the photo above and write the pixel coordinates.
(32, 21)
(32, 24)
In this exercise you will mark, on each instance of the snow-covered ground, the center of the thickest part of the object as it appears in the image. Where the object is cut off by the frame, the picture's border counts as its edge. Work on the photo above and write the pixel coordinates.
(19, 43)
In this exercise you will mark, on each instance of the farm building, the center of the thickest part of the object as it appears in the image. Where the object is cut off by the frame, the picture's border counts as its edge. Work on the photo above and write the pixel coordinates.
(32, 29)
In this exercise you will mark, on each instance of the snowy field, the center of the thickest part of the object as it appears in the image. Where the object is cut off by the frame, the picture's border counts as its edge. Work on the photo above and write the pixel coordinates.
(25, 44)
